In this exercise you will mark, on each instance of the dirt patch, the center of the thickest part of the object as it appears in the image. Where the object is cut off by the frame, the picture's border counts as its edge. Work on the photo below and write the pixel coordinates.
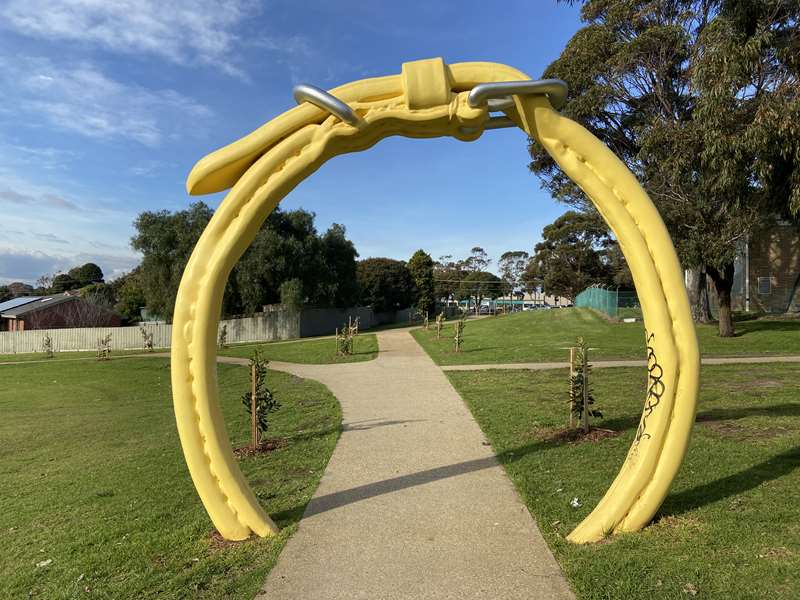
(737, 385)
(730, 430)
(677, 522)
(779, 553)
(219, 543)
(264, 447)
(765, 383)
(577, 435)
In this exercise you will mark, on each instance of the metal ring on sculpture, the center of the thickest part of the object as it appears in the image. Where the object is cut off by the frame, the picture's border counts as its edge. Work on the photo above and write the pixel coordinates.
(429, 99)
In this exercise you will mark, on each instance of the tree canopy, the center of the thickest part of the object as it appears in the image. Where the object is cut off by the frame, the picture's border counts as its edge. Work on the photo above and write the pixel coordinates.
(385, 284)
(700, 99)
(447, 273)
(64, 282)
(421, 268)
(512, 265)
(480, 285)
(286, 247)
(86, 274)
(576, 251)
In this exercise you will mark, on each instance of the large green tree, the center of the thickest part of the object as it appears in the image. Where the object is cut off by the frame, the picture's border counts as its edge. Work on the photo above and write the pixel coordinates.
(100, 294)
(86, 274)
(512, 265)
(64, 282)
(478, 260)
(287, 247)
(700, 99)
(480, 285)
(130, 295)
(166, 240)
(447, 275)
(574, 253)
(421, 268)
(338, 285)
(385, 284)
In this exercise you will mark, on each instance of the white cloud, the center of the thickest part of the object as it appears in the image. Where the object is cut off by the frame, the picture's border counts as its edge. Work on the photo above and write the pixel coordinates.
(84, 100)
(34, 200)
(44, 157)
(303, 58)
(181, 31)
(147, 168)
(28, 265)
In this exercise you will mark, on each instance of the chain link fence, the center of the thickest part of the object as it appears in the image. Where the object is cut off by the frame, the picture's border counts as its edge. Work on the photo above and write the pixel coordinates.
(613, 302)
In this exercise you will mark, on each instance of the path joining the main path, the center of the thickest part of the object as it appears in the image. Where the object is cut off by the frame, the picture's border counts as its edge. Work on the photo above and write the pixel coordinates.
(610, 364)
(413, 503)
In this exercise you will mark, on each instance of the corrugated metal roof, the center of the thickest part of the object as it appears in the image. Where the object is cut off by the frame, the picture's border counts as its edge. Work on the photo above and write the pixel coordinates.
(38, 304)
(15, 302)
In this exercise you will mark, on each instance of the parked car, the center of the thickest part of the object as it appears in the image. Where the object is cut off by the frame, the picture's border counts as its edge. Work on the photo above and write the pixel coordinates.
(484, 310)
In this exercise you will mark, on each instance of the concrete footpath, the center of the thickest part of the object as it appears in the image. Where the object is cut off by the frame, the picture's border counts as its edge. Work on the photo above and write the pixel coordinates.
(610, 364)
(413, 503)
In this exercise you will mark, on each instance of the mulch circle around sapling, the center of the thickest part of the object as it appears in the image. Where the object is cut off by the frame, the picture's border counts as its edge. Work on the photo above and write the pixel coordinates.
(264, 447)
(576, 435)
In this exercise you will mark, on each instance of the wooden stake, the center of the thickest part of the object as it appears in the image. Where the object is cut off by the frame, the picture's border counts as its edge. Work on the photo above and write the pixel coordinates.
(585, 414)
(253, 420)
(572, 352)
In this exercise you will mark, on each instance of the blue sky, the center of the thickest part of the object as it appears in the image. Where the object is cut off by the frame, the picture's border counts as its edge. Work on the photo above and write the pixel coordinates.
(106, 106)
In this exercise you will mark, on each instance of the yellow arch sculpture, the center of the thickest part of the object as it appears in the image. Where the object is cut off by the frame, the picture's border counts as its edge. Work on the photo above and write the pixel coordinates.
(428, 99)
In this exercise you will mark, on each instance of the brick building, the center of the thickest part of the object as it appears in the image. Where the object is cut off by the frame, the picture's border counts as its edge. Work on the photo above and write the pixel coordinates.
(54, 312)
(768, 272)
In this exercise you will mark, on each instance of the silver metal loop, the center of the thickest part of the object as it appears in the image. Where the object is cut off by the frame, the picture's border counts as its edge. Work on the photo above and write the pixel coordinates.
(498, 95)
(322, 99)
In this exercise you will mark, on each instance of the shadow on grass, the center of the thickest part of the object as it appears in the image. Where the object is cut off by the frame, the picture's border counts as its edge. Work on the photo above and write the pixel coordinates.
(675, 504)
(694, 498)
(719, 489)
(745, 327)
(481, 349)
(787, 409)
(362, 353)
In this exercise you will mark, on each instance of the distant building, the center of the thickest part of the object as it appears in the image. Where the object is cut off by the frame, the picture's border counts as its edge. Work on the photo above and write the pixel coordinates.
(768, 275)
(54, 312)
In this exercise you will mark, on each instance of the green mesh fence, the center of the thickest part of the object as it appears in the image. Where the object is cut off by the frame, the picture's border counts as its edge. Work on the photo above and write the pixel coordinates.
(615, 303)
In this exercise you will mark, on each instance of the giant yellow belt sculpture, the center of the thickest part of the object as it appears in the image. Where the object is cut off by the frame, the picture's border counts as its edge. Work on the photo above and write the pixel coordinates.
(429, 99)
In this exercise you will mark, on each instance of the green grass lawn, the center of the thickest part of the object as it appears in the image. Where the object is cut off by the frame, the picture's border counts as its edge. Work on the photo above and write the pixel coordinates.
(29, 356)
(93, 480)
(730, 527)
(314, 351)
(541, 335)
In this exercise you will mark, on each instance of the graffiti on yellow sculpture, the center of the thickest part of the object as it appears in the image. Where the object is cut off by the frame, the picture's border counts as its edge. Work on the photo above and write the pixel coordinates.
(428, 99)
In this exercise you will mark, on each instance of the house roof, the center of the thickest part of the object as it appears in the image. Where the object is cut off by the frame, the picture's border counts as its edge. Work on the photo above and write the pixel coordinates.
(15, 302)
(38, 304)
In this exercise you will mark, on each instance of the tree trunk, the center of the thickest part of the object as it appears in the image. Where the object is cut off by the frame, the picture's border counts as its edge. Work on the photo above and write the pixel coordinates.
(723, 283)
(697, 288)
